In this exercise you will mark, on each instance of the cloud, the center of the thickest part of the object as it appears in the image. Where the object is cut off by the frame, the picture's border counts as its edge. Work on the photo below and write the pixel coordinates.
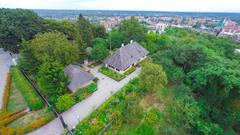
(153, 5)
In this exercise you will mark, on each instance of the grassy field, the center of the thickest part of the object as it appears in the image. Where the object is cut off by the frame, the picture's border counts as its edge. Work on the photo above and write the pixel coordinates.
(16, 101)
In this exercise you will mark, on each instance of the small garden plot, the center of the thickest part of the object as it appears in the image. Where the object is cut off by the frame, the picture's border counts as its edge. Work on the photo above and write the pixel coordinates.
(30, 117)
(115, 75)
(84, 92)
(112, 74)
(15, 118)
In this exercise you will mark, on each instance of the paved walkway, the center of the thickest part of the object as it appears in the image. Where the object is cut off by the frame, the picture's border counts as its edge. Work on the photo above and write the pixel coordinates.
(5, 63)
(106, 87)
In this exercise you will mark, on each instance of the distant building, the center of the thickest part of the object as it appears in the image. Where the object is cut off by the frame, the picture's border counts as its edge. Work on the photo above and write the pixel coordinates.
(78, 77)
(126, 57)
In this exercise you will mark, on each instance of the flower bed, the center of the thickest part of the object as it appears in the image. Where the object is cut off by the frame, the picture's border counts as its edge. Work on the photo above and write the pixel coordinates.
(31, 97)
(112, 74)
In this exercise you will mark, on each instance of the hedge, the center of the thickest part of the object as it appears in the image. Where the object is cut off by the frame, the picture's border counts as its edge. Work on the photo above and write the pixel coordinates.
(8, 118)
(30, 96)
(6, 93)
(112, 74)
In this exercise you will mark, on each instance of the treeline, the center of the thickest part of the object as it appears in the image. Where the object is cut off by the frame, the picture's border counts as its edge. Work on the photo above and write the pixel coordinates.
(204, 77)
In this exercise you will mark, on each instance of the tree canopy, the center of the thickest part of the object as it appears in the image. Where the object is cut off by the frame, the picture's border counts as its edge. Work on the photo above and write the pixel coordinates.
(99, 51)
(133, 30)
(18, 24)
(53, 45)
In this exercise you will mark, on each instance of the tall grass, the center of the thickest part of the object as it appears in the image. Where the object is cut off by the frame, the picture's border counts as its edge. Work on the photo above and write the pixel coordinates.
(30, 96)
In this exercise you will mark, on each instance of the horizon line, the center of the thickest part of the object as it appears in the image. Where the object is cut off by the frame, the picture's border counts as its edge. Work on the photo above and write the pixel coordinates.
(128, 10)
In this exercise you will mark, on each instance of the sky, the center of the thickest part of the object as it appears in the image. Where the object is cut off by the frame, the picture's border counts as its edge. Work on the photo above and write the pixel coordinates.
(145, 5)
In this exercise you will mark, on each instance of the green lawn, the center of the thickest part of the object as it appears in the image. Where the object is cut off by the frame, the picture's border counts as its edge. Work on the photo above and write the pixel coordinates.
(112, 74)
(29, 94)
(16, 101)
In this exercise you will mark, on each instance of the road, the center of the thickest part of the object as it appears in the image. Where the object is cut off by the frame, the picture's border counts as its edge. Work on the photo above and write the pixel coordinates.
(5, 63)
(106, 88)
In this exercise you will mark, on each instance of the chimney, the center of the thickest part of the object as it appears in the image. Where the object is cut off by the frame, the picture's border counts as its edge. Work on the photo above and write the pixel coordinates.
(131, 41)
(122, 44)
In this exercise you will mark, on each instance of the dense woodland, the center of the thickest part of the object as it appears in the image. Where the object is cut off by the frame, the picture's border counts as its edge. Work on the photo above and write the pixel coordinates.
(189, 85)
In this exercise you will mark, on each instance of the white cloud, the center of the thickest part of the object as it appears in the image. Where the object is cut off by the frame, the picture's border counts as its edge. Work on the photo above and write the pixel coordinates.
(158, 5)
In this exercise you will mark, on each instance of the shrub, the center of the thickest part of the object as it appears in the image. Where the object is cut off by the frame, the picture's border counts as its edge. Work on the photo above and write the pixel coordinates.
(6, 92)
(30, 96)
(145, 129)
(112, 74)
(64, 102)
(91, 88)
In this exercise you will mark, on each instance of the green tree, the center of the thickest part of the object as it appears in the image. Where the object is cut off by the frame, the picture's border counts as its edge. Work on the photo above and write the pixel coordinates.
(221, 82)
(66, 27)
(85, 30)
(132, 30)
(51, 78)
(99, 31)
(99, 51)
(115, 39)
(55, 46)
(64, 102)
(16, 24)
(153, 76)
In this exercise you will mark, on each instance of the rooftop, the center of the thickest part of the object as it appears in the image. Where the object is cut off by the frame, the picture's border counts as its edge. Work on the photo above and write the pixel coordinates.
(126, 56)
(78, 77)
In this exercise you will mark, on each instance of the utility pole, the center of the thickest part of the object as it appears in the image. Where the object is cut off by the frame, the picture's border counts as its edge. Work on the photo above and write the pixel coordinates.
(110, 37)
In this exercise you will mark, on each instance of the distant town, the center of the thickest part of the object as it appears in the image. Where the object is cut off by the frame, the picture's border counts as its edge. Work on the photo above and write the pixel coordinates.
(219, 24)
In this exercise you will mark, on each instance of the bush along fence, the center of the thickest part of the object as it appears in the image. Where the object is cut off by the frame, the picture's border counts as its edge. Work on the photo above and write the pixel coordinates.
(31, 97)
(6, 93)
